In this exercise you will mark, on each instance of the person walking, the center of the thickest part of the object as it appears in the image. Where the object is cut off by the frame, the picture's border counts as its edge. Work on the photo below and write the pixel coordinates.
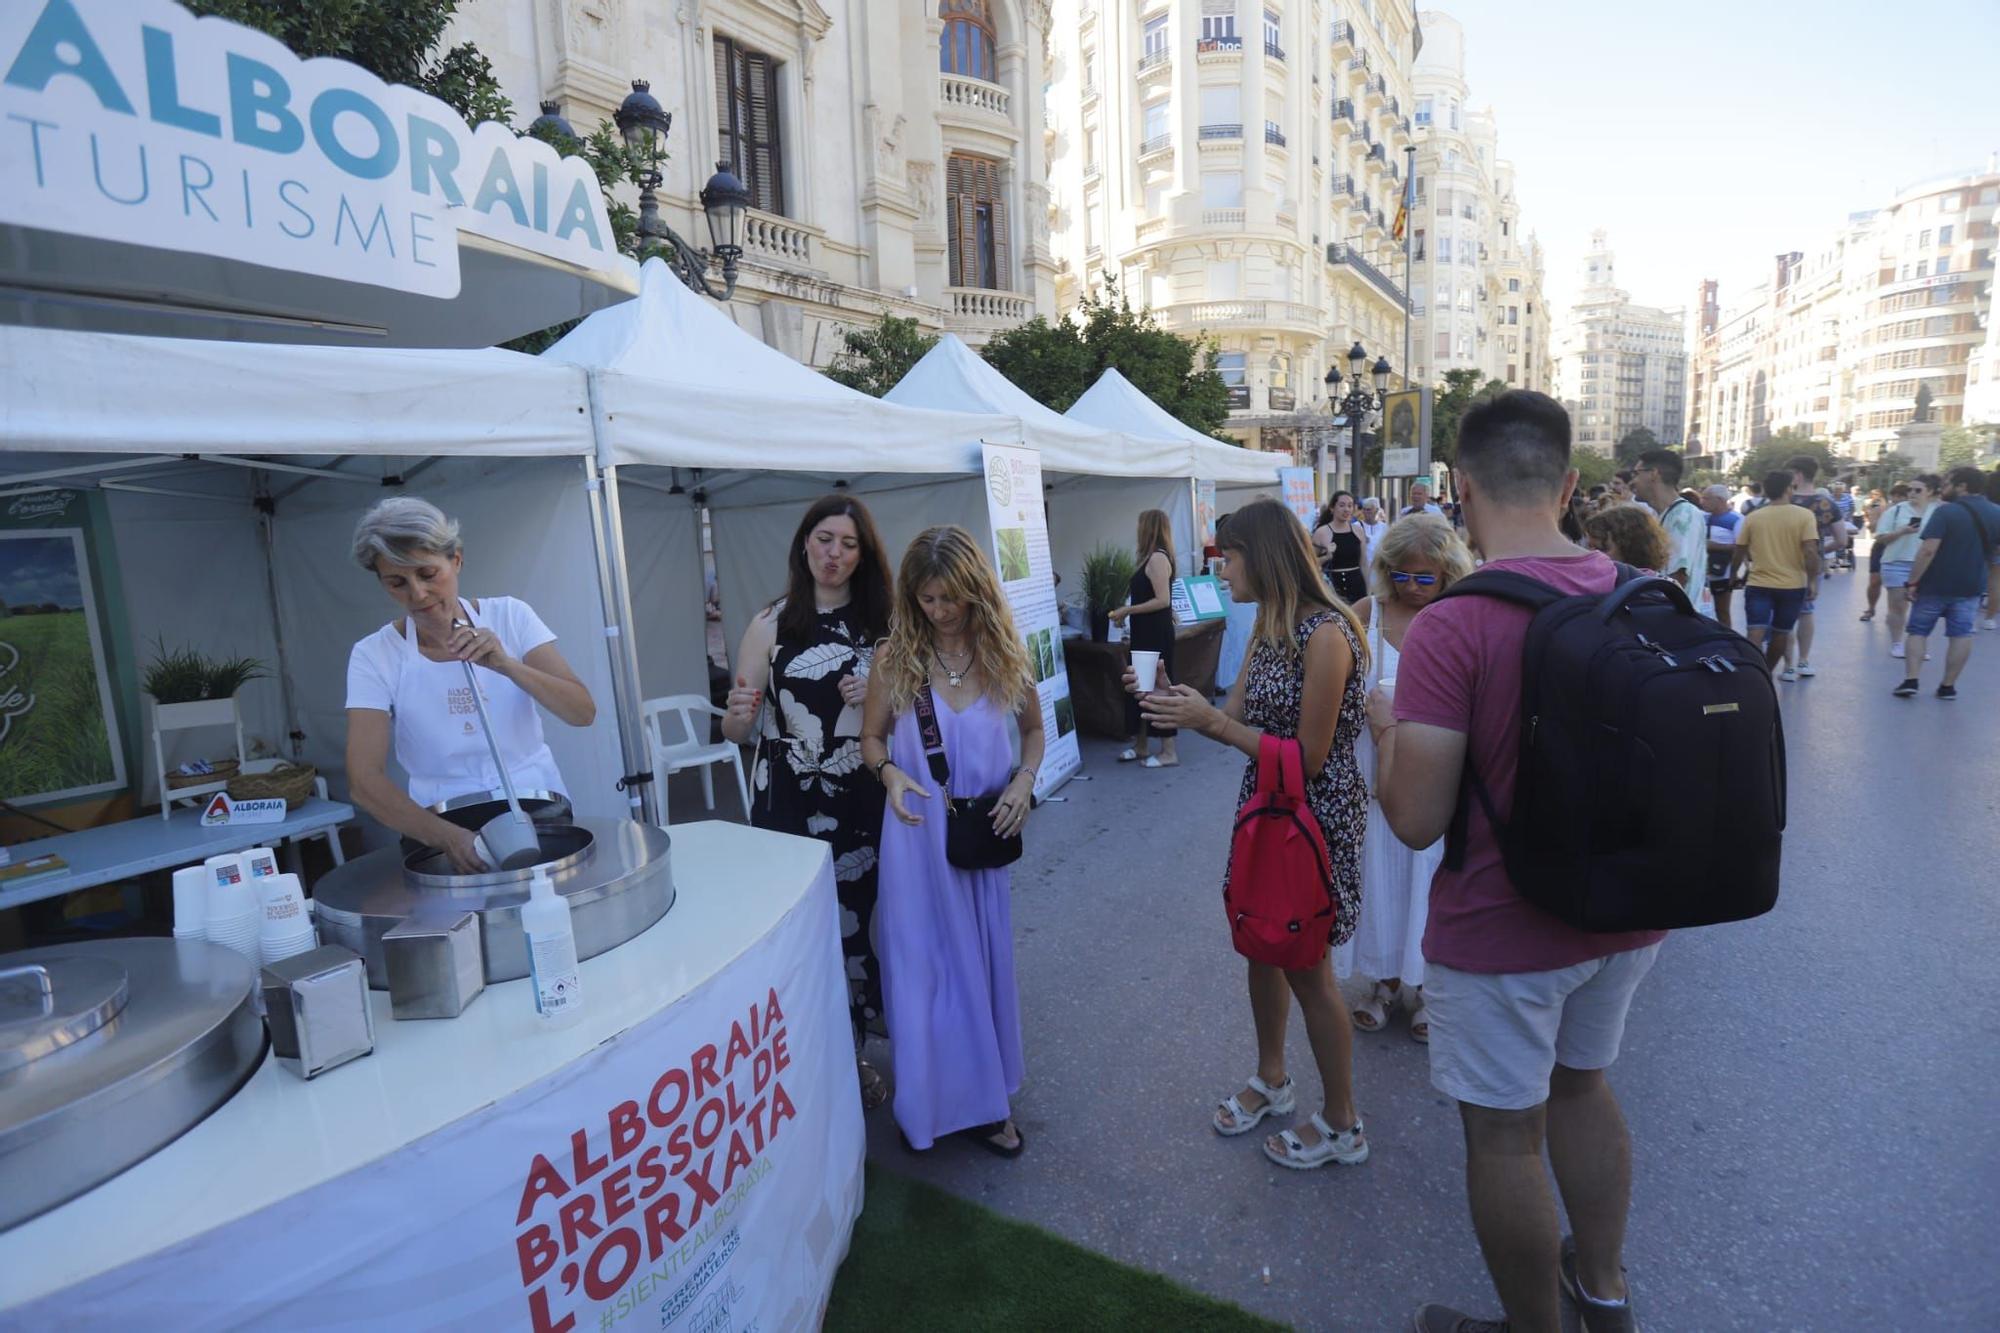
(945, 935)
(1417, 560)
(1342, 547)
(1780, 542)
(1818, 501)
(1878, 543)
(1303, 682)
(1960, 538)
(1656, 479)
(1897, 539)
(1150, 609)
(811, 651)
(1527, 1012)
(1992, 621)
(1722, 522)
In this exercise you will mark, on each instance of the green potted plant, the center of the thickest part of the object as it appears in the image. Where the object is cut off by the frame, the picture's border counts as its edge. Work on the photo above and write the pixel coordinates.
(1107, 580)
(190, 689)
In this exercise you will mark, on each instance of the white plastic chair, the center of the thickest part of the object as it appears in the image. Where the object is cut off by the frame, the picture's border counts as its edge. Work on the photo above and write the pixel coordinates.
(694, 750)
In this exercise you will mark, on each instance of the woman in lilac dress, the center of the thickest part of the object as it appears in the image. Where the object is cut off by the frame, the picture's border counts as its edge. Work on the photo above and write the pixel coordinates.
(945, 936)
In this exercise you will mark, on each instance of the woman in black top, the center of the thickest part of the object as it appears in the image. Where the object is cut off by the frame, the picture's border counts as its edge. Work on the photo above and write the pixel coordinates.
(1342, 548)
(1151, 617)
(812, 650)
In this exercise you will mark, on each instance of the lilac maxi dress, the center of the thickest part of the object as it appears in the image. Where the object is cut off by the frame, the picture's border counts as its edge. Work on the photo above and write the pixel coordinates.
(945, 941)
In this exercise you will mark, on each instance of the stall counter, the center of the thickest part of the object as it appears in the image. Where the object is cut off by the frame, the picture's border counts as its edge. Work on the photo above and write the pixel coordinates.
(707, 1095)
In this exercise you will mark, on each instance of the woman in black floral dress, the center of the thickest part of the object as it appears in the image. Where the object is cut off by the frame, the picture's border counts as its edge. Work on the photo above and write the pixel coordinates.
(804, 664)
(1302, 682)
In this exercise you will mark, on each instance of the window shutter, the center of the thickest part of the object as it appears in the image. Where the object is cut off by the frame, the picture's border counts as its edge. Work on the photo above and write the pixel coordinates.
(728, 146)
(767, 187)
(1002, 272)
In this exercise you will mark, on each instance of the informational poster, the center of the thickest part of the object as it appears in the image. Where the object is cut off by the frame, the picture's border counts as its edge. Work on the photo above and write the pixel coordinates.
(1199, 598)
(58, 726)
(1204, 514)
(1406, 433)
(1298, 488)
(1027, 576)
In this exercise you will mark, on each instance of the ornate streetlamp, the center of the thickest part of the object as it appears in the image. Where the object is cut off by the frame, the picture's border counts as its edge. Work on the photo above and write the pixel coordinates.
(644, 125)
(1358, 402)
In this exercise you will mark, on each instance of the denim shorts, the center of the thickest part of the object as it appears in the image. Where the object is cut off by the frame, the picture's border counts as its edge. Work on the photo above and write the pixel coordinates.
(1958, 613)
(1896, 573)
(1774, 609)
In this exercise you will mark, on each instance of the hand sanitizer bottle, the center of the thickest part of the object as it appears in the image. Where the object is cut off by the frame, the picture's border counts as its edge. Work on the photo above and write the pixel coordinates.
(552, 966)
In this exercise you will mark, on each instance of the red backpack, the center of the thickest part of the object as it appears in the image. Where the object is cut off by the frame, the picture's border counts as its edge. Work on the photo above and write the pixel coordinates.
(1280, 897)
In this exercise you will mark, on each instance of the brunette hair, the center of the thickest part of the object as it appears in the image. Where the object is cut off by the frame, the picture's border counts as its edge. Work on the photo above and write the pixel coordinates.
(949, 555)
(1284, 577)
(868, 590)
(1419, 537)
(1156, 533)
(1630, 533)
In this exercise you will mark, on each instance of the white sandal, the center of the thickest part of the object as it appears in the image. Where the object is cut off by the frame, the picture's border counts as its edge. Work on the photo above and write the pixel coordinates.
(1420, 1018)
(1348, 1148)
(1277, 1101)
(1381, 1002)
(1129, 755)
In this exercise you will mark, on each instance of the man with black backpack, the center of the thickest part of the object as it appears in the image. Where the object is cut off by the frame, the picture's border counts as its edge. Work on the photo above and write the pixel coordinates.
(1547, 716)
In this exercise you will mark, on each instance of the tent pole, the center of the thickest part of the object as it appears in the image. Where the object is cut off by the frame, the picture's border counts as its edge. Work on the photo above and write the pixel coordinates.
(607, 531)
(267, 520)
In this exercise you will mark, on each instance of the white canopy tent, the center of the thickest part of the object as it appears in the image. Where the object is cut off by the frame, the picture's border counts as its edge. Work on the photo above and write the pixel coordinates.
(233, 474)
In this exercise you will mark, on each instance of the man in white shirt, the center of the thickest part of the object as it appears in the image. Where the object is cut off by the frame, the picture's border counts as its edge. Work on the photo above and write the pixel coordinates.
(1896, 533)
(1420, 500)
(1373, 521)
(1656, 480)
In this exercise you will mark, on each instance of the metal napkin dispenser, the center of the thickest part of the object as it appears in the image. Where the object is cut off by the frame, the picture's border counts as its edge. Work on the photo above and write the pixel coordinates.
(436, 964)
(316, 1005)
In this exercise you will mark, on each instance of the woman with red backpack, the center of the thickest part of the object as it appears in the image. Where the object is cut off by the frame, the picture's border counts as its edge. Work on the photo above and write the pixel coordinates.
(1297, 709)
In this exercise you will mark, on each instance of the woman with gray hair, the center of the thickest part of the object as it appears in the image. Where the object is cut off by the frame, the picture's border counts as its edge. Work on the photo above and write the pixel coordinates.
(405, 681)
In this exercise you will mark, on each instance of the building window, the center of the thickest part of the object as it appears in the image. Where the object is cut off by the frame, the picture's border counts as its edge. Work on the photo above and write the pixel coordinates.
(1444, 346)
(1454, 113)
(746, 116)
(1273, 32)
(1230, 366)
(1944, 234)
(1153, 127)
(1513, 284)
(1424, 105)
(1444, 249)
(1281, 371)
(1924, 239)
(1155, 36)
(978, 213)
(966, 45)
(1513, 314)
(1218, 20)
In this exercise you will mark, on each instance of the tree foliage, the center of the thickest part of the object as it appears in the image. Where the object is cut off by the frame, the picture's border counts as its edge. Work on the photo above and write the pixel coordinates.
(1592, 468)
(1637, 441)
(1054, 363)
(1781, 448)
(1966, 446)
(874, 360)
(1449, 404)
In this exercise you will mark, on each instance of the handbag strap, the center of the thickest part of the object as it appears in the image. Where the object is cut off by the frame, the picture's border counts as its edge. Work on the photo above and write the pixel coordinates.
(1280, 766)
(927, 724)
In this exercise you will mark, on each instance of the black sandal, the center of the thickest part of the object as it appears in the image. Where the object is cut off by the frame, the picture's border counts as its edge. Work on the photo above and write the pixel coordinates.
(986, 1135)
(874, 1088)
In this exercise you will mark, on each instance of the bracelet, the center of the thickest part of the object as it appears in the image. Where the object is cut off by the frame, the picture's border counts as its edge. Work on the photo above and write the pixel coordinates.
(876, 769)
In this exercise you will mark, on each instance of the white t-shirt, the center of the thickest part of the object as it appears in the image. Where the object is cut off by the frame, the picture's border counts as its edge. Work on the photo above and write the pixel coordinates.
(1893, 535)
(436, 723)
(1687, 548)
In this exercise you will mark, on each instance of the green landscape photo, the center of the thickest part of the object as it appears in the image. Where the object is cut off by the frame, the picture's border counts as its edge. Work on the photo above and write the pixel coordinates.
(55, 737)
(1013, 554)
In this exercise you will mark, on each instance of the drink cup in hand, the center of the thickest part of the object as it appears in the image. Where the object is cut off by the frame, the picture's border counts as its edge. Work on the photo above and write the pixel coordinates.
(1146, 667)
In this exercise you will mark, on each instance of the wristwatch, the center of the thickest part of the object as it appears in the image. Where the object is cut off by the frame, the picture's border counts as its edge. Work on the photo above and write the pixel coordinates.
(876, 769)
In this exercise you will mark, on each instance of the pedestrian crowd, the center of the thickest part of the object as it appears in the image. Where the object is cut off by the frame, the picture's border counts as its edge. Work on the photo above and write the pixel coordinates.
(1380, 711)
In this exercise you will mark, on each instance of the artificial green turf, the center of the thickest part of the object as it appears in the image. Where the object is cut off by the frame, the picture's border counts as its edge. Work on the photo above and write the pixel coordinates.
(925, 1259)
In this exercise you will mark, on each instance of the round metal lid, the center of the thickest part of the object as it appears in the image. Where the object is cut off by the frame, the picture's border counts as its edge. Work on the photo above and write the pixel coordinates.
(55, 1001)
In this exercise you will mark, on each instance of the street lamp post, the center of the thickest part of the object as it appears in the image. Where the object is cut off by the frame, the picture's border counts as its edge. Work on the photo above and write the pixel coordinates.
(1358, 402)
(644, 124)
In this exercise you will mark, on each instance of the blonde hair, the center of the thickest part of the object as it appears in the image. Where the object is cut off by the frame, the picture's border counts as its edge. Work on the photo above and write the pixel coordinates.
(949, 555)
(1284, 577)
(1156, 533)
(1423, 537)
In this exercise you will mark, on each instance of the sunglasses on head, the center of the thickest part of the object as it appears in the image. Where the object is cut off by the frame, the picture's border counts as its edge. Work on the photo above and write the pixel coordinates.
(1403, 576)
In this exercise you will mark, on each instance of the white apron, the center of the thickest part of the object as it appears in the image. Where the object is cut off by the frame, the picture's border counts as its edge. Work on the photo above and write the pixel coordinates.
(438, 739)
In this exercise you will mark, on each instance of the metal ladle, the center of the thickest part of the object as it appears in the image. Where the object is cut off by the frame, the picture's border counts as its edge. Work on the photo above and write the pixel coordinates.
(511, 837)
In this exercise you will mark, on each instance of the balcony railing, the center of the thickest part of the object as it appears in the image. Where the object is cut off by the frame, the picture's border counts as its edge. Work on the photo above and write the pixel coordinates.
(1343, 33)
(1343, 108)
(1272, 51)
(1273, 135)
(1340, 253)
(1394, 107)
(1159, 143)
(979, 305)
(1222, 217)
(1208, 314)
(977, 96)
(772, 237)
(1209, 133)
(1343, 185)
(1091, 170)
(1154, 59)
(1379, 152)
(1377, 87)
(1211, 46)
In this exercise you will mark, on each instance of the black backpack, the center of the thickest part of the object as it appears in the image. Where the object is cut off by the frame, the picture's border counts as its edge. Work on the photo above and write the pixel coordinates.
(1650, 793)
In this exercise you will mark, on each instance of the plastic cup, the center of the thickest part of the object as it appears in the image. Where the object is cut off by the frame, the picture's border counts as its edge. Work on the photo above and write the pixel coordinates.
(191, 900)
(1146, 666)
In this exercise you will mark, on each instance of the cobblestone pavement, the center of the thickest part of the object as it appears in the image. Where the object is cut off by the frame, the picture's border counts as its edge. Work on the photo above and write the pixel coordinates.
(1812, 1095)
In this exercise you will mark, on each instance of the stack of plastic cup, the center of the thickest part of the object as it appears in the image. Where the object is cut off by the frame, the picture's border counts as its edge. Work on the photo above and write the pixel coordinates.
(235, 916)
(259, 863)
(191, 902)
(287, 927)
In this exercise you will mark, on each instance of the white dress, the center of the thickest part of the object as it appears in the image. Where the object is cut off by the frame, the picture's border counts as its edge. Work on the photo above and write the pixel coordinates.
(1395, 881)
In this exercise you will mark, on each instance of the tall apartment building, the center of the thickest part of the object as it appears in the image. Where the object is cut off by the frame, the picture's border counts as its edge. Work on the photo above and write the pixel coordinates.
(1839, 342)
(1235, 166)
(1619, 365)
(897, 157)
(1476, 286)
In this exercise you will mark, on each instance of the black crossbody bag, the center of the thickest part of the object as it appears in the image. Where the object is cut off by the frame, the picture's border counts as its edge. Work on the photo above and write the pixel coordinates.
(969, 840)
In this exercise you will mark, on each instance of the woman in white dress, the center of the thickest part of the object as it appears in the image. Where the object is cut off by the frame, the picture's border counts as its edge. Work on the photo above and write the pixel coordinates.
(1418, 557)
(406, 684)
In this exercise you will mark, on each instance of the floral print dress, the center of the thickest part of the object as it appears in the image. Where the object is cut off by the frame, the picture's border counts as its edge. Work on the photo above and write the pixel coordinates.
(810, 781)
(1338, 797)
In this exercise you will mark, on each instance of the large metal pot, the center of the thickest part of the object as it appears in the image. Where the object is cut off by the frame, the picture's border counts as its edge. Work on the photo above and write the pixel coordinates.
(615, 874)
(109, 1051)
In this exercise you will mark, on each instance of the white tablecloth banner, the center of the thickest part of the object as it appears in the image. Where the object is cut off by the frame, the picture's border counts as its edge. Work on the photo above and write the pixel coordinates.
(701, 1171)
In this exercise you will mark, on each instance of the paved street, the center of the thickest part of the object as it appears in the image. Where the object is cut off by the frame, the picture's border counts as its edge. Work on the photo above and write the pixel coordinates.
(1811, 1094)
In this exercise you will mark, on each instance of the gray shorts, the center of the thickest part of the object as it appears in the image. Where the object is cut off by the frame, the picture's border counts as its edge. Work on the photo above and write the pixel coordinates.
(1497, 1036)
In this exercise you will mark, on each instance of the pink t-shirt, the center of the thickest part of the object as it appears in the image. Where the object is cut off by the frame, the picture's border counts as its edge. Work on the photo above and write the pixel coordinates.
(1461, 669)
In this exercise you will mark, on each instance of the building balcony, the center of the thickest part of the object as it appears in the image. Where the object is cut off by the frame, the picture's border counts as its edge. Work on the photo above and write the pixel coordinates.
(1159, 143)
(1222, 217)
(1342, 36)
(1376, 90)
(981, 310)
(1209, 49)
(1273, 135)
(975, 102)
(777, 240)
(1154, 62)
(1149, 228)
(1224, 133)
(1342, 255)
(1392, 108)
(1272, 51)
(1241, 314)
(1343, 185)
(1343, 108)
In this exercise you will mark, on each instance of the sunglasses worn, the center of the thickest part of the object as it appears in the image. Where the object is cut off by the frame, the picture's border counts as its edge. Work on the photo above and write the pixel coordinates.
(1403, 576)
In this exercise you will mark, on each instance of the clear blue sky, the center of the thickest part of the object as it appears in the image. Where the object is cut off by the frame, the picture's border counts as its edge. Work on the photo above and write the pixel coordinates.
(1706, 137)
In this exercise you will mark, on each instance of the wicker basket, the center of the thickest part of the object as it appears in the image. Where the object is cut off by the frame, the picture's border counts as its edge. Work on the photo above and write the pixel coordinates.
(221, 770)
(293, 782)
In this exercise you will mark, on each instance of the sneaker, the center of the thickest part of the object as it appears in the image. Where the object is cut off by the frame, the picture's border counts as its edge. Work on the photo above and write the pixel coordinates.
(1435, 1318)
(1788, 674)
(1592, 1316)
(1947, 692)
(1806, 669)
(1896, 649)
(1907, 690)
(1989, 623)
